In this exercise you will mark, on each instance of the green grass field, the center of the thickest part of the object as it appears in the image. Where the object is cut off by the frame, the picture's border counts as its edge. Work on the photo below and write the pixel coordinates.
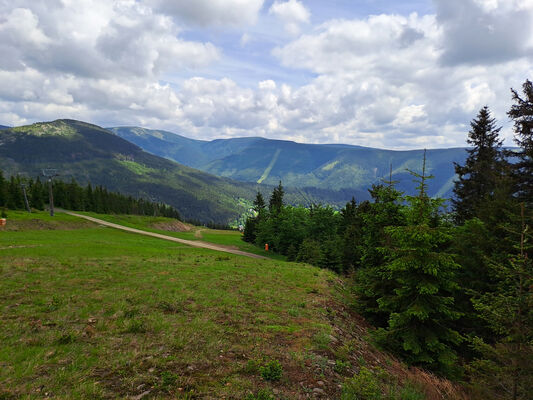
(98, 313)
(90, 312)
(164, 225)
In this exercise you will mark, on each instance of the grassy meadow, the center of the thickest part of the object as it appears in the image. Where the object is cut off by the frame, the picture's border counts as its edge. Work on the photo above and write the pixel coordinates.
(171, 227)
(92, 312)
(89, 312)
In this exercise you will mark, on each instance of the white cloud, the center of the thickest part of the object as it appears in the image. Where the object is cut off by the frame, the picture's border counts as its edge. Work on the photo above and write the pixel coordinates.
(211, 12)
(293, 13)
(386, 80)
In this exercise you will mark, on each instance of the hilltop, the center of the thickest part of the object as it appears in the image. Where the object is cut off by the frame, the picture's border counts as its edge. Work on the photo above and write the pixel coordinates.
(324, 166)
(89, 153)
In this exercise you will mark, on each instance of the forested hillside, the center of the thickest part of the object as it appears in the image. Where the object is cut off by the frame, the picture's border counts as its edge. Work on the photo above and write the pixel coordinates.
(88, 153)
(268, 161)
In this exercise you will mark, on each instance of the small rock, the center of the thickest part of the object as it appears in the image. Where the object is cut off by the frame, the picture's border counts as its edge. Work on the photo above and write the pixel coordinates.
(151, 370)
(320, 383)
(140, 396)
(318, 391)
(275, 391)
(331, 362)
(190, 368)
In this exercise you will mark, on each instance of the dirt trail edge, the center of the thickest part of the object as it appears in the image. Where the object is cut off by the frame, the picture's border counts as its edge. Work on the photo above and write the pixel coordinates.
(193, 243)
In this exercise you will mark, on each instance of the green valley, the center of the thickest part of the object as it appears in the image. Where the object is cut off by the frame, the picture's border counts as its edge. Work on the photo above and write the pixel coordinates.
(88, 153)
(323, 166)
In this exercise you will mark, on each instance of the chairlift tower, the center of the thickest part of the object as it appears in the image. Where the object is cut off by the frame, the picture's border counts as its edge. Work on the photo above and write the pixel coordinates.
(50, 174)
(23, 186)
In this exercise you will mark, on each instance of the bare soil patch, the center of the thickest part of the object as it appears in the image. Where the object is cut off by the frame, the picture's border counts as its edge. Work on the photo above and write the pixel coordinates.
(174, 226)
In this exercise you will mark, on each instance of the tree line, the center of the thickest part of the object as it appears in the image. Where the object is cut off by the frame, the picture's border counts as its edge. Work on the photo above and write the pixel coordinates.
(72, 196)
(447, 291)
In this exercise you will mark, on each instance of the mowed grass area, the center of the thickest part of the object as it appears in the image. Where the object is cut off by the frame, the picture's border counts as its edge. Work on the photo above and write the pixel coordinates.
(100, 313)
(165, 226)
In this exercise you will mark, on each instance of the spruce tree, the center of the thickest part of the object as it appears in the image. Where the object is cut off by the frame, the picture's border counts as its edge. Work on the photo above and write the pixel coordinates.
(522, 114)
(276, 200)
(506, 367)
(259, 203)
(370, 281)
(477, 179)
(3, 190)
(421, 305)
(250, 226)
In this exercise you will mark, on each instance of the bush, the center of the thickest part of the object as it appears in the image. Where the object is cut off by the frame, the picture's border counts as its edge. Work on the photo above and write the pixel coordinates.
(363, 386)
(271, 371)
(262, 394)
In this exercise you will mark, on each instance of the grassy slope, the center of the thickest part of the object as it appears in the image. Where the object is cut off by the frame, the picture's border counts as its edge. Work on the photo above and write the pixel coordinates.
(122, 315)
(156, 224)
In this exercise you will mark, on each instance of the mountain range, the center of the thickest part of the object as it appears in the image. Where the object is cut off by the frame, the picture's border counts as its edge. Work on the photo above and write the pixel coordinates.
(325, 166)
(89, 153)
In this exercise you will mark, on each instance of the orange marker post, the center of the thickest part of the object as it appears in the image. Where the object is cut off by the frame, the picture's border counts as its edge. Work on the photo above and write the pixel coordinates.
(266, 246)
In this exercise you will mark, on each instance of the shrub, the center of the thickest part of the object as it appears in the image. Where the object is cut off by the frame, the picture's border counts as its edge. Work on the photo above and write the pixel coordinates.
(271, 371)
(262, 394)
(341, 366)
(363, 386)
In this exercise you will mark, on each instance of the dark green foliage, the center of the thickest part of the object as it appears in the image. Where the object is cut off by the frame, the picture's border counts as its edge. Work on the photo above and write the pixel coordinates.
(271, 371)
(249, 233)
(309, 252)
(522, 114)
(72, 196)
(421, 307)
(371, 282)
(276, 200)
(250, 227)
(505, 365)
(478, 177)
(259, 203)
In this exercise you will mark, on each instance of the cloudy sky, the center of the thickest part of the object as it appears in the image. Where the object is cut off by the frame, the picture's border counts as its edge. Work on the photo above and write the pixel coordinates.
(382, 73)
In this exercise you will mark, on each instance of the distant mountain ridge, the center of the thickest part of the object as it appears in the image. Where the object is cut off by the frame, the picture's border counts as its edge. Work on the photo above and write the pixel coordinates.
(89, 153)
(324, 166)
(2, 127)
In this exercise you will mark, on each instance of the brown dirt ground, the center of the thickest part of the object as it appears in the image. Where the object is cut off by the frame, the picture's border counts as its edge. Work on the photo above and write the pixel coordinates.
(174, 226)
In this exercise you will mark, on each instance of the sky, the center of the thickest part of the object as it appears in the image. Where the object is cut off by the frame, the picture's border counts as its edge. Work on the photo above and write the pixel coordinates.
(382, 73)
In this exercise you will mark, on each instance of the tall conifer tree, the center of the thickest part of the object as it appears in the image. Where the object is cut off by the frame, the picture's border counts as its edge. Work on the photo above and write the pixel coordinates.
(421, 305)
(478, 178)
(522, 114)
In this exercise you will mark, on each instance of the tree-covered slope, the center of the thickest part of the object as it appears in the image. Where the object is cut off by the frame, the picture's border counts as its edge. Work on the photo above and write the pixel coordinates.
(89, 153)
(300, 165)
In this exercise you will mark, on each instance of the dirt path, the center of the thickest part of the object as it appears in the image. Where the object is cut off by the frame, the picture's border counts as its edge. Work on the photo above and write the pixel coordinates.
(193, 243)
(198, 233)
